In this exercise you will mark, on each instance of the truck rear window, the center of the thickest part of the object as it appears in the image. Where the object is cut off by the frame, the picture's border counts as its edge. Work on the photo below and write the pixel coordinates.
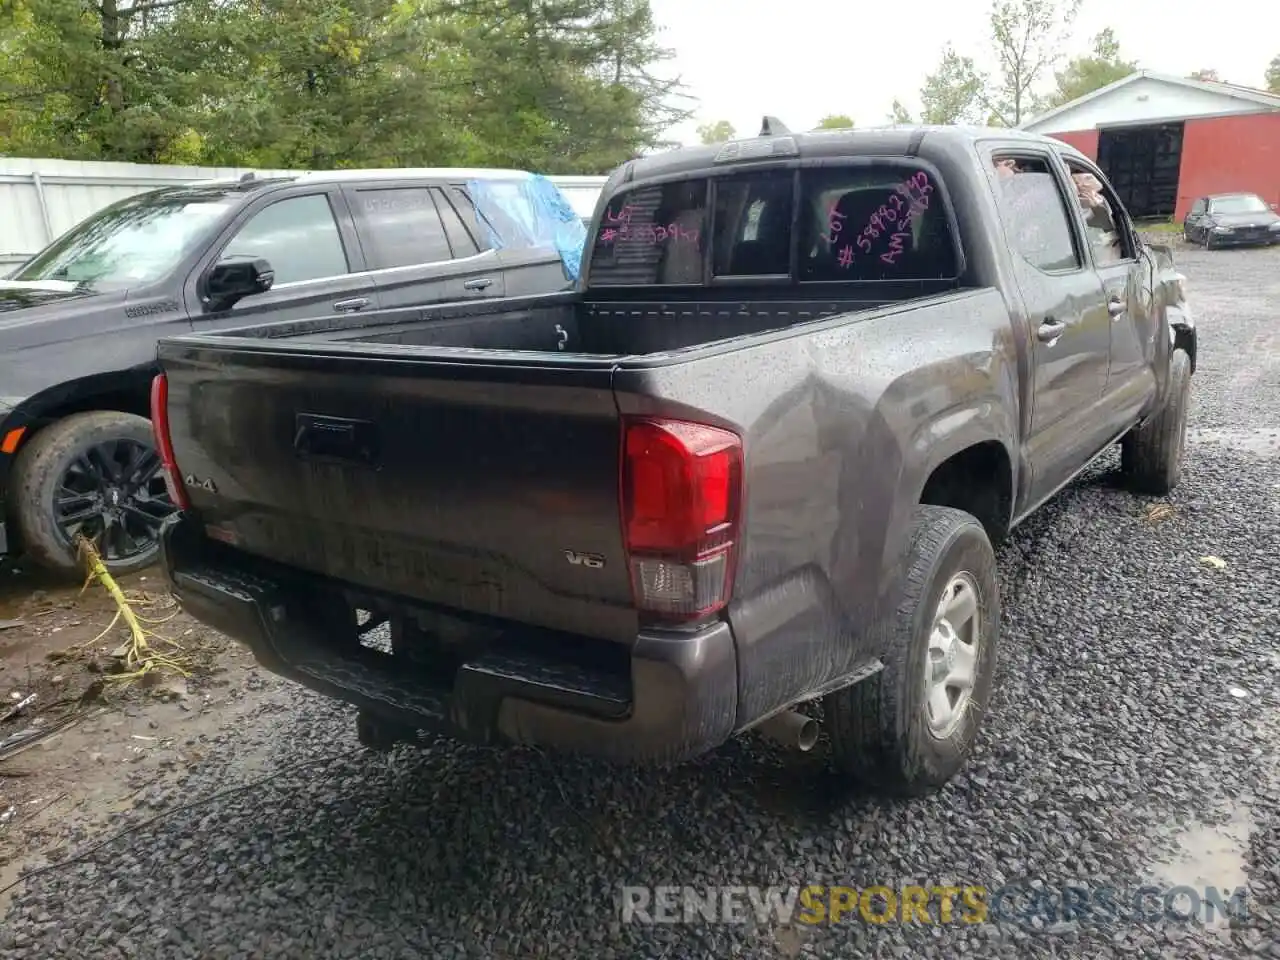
(861, 222)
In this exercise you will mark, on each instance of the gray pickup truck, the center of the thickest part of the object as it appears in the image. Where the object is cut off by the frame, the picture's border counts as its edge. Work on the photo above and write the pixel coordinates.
(758, 458)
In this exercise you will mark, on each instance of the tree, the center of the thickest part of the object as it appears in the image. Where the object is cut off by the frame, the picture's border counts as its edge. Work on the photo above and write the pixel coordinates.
(556, 86)
(1028, 37)
(717, 132)
(835, 121)
(954, 92)
(1209, 74)
(81, 80)
(1101, 66)
(1273, 75)
(899, 113)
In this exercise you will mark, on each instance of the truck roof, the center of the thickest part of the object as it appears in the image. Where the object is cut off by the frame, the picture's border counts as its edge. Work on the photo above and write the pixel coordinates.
(890, 139)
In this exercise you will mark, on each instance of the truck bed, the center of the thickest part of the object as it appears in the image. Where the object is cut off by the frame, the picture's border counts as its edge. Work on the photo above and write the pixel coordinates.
(563, 323)
(451, 456)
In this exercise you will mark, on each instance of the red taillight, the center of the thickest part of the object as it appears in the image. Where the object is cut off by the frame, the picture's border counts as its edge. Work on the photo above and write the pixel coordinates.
(681, 499)
(164, 444)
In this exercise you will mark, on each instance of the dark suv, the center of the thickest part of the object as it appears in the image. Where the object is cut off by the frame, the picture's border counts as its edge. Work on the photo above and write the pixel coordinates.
(79, 322)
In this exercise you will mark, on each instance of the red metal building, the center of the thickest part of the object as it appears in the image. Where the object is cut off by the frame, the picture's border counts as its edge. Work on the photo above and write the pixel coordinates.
(1164, 141)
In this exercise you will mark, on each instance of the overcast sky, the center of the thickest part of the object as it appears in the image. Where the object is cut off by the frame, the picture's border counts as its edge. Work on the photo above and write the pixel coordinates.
(800, 60)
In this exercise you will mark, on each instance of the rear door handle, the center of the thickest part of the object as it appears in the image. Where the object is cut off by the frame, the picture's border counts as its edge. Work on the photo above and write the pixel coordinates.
(1050, 331)
(355, 303)
(480, 283)
(1116, 308)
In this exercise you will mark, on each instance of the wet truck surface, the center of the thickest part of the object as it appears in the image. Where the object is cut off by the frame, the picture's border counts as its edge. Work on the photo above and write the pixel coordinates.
(757, 458)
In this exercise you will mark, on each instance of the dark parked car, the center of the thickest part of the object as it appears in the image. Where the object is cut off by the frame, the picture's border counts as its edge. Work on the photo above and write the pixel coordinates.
(80, 321)
(759, 458)
(1230, 220)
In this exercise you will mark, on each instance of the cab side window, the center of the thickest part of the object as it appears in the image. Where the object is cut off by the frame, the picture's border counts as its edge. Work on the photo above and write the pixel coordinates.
(1103, 217)
(298, 237)
(1198, 208)
(1034, 213)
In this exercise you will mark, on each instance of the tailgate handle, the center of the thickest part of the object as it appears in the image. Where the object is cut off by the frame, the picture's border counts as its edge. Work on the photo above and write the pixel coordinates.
(318, 437)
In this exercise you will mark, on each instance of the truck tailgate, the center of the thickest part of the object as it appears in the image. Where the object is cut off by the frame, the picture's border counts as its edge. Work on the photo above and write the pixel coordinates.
(480, 485)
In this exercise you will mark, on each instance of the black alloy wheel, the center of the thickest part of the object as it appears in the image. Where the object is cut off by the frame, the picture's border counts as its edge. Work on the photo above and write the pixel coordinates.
(114, 494)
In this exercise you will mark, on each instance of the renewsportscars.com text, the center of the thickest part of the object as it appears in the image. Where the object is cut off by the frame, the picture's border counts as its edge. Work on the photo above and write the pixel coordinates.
(1029, 904)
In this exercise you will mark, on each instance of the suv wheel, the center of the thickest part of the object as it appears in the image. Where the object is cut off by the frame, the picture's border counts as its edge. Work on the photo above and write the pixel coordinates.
(911, 728)
(97, 474)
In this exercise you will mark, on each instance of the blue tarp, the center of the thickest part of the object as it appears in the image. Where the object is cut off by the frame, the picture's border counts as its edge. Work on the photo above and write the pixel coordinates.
(530, 212)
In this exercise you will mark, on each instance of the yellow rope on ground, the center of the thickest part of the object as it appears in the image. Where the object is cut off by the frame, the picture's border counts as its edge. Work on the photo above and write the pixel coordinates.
(140, 657)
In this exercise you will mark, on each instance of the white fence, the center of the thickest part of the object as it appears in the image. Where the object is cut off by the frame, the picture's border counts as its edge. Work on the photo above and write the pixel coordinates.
(42, 199)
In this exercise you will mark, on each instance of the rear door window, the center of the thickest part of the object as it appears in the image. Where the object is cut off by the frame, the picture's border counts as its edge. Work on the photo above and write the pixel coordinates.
(1034, 212)
(400, 227)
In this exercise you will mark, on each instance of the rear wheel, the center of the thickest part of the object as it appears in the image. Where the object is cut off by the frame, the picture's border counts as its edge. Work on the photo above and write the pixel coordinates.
(95, 474)
(911, 728)
(1151, 455)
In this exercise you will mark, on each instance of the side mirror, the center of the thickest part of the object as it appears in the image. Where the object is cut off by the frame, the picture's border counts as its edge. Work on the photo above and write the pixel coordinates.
(231, 280)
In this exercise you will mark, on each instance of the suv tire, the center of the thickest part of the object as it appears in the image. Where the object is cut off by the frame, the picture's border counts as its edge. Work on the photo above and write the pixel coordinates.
(101, 465)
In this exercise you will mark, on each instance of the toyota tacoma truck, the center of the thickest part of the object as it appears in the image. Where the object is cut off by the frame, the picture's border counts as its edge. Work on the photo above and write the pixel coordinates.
(756, 458)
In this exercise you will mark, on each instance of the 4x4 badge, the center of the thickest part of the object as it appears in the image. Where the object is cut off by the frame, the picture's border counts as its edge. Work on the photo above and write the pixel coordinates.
(191, 480)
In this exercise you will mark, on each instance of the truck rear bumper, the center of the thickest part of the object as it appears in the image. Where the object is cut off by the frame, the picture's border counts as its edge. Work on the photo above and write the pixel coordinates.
(675, 700)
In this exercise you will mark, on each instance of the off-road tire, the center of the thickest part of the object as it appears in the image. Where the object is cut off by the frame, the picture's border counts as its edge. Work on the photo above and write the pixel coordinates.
(878, 728)
(1151, 454)
(40, 466)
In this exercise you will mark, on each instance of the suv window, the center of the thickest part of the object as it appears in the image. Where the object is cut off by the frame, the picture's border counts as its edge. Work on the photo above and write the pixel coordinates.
(298, 237)
(1198, 207)
(460, 241)
(466, 209)
(1034, 213)
(860, 222)
(400, 227)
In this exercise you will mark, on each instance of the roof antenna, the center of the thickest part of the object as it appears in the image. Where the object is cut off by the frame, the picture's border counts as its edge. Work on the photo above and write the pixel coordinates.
(246, 177)
(773, 127)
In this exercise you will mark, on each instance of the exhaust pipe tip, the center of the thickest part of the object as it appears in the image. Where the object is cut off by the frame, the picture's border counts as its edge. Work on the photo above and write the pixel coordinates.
(792, 730)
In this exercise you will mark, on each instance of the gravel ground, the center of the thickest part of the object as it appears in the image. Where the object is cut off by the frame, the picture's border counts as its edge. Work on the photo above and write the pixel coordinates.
(1115, 743)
